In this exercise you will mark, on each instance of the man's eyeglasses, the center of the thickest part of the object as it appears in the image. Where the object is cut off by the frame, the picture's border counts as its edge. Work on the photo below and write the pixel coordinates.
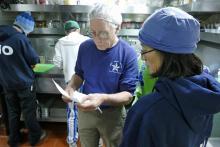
(145, 52)
(100, 35)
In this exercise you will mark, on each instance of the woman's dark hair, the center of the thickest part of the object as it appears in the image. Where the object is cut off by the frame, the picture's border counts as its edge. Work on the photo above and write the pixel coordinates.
(179, 65)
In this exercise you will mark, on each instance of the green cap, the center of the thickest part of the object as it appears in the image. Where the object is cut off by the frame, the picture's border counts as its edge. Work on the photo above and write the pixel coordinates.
(71, 25)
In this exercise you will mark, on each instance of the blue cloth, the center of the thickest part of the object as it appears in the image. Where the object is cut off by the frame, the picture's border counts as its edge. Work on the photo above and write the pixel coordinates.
(178, 114)
(171, 30)
(25, 21)
(16, 57)
(110, 71)
(72, 123)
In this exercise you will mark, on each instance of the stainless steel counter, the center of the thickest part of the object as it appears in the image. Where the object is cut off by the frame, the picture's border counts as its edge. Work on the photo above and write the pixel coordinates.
(52, 108)
(44, 81)
(55, 72)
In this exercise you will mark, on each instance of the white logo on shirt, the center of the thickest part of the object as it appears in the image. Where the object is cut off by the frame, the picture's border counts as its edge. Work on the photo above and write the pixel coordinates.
(6, 50)
(115, 67)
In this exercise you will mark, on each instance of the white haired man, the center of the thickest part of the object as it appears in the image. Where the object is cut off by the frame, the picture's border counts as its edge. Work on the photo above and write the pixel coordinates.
(107, 67)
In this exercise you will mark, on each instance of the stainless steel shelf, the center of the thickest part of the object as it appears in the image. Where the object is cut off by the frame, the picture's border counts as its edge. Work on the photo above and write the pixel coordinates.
(48, 31)
(128, 32)
(199, 6)
(138, 10)
(210, 37)
(202, 7)
(56, 115)
(53, 119)
(54, 31)
(49, 8)
(74, 8)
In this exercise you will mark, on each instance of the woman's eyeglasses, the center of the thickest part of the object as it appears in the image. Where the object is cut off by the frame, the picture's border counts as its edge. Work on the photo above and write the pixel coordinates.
(145, 52)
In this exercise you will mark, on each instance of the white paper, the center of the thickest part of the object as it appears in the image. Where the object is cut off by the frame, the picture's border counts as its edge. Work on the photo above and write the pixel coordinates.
(77, 96)
(60, 89)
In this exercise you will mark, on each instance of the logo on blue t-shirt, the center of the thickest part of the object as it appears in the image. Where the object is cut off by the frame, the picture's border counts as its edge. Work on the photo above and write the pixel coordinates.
(115, 67)
(6, 50)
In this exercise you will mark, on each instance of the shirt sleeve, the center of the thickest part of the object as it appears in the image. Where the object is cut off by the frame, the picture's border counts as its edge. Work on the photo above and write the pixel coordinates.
(78, 67)
(129, 77)
(29, 52)
(57, 59)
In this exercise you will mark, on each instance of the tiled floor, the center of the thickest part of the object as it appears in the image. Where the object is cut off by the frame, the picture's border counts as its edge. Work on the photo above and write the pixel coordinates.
(56, 136)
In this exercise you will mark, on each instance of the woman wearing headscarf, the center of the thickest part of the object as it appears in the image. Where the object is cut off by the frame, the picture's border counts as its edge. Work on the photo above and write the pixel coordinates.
(179, 112)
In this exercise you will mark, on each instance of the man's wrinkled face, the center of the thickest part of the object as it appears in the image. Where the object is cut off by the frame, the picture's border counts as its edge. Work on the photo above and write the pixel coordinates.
(103, 33)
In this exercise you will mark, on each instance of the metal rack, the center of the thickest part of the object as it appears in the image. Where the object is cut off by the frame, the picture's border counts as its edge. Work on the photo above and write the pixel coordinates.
(202, 6)
(205, 8)
(56, 31)
(75, 8)
(210, 37)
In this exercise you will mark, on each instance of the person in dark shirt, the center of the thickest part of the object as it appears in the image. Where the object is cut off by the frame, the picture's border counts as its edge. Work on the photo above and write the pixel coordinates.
(17, 59)
(179, 112)
(107, 68)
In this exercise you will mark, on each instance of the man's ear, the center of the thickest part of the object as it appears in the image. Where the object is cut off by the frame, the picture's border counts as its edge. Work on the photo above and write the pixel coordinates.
(118, 28)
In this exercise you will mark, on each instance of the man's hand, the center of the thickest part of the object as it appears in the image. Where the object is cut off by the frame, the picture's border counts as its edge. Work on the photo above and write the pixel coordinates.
(92, 102)
(70, 92)
(32, 66)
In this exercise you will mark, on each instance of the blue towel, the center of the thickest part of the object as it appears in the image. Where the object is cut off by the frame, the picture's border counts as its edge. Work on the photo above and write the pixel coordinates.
(72, 123)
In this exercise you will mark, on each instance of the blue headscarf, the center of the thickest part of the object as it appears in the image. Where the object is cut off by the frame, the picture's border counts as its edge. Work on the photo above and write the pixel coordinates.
(171, 30)
(25, 21)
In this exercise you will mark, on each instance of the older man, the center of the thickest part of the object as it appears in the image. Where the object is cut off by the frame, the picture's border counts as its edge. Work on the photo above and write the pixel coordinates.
(107, 67)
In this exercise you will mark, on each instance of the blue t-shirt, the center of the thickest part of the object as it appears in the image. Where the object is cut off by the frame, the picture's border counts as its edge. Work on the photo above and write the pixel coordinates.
(16, 57)
(110, 71)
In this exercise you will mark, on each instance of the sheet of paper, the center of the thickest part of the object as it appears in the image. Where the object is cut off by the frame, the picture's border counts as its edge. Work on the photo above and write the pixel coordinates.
(60, 89)
(77, 96)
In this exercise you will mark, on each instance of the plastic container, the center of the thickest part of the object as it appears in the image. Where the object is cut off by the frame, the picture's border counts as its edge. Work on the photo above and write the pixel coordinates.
(42, 2)
(70, 2)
